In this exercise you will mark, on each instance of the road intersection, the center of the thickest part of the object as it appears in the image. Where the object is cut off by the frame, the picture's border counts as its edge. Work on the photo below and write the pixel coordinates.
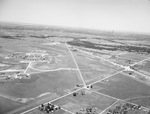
(25, 111)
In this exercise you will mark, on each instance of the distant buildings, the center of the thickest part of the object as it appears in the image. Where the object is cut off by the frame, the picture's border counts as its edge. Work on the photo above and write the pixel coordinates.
(33, 56)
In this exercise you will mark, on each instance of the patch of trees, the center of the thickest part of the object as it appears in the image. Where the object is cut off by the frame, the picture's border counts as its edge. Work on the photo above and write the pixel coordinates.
(124, 109)
(10, 37)
(129, 48)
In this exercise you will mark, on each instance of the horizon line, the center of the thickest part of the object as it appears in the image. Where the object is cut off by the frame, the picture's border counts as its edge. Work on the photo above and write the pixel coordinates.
(71, 27)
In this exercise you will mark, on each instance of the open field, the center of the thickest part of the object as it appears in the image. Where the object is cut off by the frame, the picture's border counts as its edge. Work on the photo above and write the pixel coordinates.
(10, 66)
(139, 77)
(40, 87)
(85, 99)
(56, 47)
(53, 82)
(32, 71)
(94, 68)
(122, 87)
(78, 70)
(128, 58)
(144, 101)
(143, 67)
(8, 105)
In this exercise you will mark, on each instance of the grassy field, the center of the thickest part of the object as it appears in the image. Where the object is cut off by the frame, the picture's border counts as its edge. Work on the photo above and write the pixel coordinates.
(94, 68)
(138, 77)
(54, 50)
(145, 101)
(143, 67)
(58, 74)
(128, 58)
(90, 99)
(32, 71)
(54, 82)
(122, 87)
(8, 105)
(87, 60)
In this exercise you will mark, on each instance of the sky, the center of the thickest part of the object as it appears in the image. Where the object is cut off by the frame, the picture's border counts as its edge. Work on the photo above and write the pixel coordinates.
(116, 15)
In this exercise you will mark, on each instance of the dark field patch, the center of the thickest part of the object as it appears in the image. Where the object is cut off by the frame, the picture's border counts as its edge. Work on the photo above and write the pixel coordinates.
(7, 105)
(54, 82)
(129, 48)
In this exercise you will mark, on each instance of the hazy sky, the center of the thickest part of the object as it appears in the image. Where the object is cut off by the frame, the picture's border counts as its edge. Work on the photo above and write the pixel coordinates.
(123, 15)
